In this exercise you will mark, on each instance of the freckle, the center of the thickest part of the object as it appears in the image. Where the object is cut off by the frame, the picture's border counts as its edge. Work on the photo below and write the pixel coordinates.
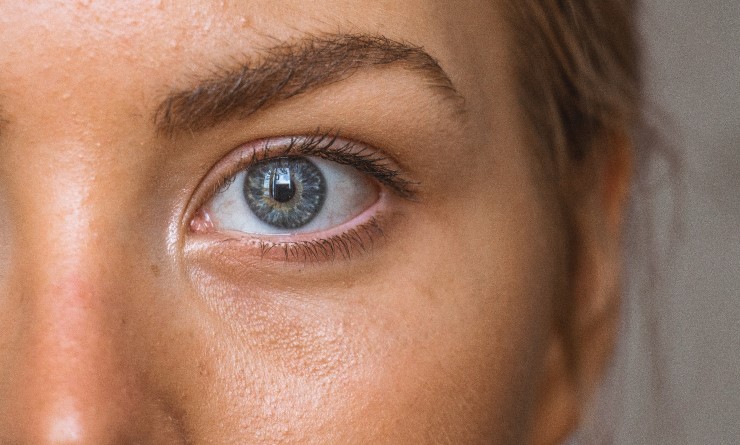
(155, 270)
(202, 368)
(427, 291)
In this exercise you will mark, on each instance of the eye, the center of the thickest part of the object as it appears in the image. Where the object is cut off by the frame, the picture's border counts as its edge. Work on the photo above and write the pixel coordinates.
(304, 198)
(291, 195)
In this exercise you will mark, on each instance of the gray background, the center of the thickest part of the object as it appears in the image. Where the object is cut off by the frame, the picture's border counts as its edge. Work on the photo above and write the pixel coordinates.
(676, 377)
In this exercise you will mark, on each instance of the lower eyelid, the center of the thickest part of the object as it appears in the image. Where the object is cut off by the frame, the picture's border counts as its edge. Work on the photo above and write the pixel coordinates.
(357, 240)
(367, 239)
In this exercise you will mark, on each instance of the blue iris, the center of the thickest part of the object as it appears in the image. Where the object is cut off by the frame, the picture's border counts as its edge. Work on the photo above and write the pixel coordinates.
(286, 193)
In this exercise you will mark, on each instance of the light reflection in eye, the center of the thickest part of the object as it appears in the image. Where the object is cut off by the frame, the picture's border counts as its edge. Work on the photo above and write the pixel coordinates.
(291, 195)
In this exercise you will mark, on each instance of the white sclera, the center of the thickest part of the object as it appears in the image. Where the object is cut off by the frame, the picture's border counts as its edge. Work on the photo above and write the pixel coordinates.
(348, 193)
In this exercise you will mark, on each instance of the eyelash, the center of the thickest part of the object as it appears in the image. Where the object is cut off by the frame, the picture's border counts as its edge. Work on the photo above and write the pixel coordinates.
(329, 146)
(321, 145)
(327, 248)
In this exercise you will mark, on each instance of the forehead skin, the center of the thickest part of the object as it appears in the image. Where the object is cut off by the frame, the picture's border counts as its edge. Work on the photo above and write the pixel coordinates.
(115, 332)
(166, 42)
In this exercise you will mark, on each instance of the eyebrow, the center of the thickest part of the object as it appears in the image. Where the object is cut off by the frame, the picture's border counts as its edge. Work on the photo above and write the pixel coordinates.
(288, 70)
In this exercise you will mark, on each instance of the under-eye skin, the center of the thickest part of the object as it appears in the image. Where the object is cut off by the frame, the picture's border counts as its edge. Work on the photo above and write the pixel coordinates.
(316, 197)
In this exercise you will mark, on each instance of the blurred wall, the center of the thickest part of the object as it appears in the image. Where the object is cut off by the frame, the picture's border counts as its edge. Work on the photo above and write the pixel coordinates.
(676, 378)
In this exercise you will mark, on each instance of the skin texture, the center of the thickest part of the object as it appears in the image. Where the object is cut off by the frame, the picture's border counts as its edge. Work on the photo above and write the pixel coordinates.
(122, 325)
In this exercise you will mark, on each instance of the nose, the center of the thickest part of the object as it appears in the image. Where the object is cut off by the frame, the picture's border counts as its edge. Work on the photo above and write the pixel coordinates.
(69, 372)
(62, 383)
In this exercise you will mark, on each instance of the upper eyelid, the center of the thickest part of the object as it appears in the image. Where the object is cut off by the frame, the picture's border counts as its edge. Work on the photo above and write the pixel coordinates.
(330, 146)
(366, 159)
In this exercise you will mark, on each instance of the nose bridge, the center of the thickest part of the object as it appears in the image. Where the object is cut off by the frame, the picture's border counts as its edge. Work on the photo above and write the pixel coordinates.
(64, 379)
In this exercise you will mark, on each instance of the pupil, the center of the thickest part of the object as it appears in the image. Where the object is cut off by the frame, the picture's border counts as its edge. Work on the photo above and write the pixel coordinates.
(282, 188)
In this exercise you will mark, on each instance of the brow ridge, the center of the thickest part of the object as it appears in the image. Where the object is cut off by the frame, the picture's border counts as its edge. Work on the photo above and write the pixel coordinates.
(286, 71)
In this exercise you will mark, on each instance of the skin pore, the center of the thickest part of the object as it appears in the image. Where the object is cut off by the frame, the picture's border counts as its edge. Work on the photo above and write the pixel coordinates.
(124, 321)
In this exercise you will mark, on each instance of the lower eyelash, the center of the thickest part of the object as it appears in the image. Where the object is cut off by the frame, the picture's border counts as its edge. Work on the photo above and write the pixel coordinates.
(360, 239)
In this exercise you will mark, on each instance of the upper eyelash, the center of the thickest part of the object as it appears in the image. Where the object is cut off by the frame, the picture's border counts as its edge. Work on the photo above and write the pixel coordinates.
(323, 145)
(363, 159)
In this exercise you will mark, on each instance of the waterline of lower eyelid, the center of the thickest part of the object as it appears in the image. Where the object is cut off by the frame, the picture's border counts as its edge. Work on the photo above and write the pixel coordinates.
(360, 240)
(358, 236)
(378, 208)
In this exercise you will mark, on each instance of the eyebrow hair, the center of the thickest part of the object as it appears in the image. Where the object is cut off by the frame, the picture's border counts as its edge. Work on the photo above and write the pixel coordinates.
(288, 70)
(3, 121)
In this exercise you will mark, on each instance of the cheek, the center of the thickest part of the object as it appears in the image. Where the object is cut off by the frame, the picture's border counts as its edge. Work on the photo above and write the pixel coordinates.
(444, 338)
(477, 318)
(469, 311)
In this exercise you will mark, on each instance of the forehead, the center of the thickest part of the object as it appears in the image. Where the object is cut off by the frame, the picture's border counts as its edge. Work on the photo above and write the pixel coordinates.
(80, 67)
(154, 37)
